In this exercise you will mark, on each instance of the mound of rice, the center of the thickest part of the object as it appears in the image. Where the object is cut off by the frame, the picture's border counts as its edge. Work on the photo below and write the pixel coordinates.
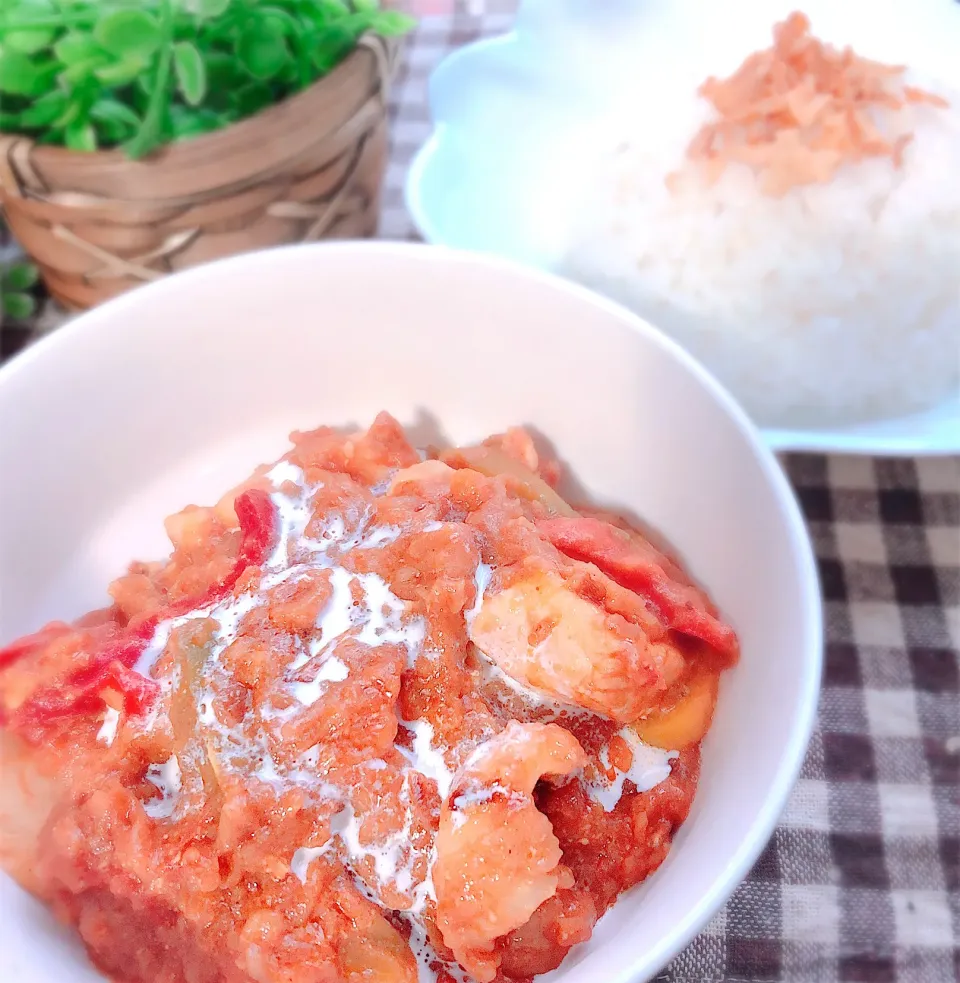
(834, 304)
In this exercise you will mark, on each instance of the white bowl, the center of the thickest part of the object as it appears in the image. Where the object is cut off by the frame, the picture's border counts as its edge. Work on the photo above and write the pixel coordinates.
(518, 120)
(175, 391)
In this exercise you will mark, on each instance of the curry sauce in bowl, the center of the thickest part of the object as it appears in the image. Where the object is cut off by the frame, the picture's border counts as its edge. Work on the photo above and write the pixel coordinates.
(373, 711)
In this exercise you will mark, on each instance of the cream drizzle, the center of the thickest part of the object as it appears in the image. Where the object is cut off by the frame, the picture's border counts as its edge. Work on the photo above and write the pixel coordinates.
(362, 607)
(108, 729)
(649, 768)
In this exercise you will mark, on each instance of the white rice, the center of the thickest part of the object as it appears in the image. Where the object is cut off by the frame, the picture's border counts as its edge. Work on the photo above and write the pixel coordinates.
(835, 304)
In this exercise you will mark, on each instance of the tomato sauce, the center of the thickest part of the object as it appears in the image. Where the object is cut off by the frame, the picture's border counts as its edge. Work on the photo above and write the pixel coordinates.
(376, 717)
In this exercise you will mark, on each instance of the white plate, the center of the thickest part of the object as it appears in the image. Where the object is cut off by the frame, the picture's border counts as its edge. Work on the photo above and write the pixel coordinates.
(175, 391)
(514, 123)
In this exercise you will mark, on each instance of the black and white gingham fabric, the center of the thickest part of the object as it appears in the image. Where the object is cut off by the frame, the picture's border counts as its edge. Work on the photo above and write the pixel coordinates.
(860, 883)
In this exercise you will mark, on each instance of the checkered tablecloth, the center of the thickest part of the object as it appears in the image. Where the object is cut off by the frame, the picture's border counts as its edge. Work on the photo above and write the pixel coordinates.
(860, 883)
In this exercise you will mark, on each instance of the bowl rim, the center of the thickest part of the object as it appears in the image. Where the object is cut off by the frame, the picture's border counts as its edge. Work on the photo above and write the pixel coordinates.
(635, 967)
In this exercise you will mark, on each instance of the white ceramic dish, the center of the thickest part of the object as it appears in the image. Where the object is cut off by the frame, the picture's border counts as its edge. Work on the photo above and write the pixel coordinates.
(172, 393)
(516, 119)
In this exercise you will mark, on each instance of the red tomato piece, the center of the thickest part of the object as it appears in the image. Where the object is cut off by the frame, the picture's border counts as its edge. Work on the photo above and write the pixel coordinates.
(638, 565)
(29, 644)
(111, 663)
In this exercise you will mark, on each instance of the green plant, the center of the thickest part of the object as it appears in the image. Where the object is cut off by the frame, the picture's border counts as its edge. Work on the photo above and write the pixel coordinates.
(90, 74)
(16, 281)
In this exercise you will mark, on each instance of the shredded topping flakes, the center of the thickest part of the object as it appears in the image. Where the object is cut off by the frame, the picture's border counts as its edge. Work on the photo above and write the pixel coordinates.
(800, 110)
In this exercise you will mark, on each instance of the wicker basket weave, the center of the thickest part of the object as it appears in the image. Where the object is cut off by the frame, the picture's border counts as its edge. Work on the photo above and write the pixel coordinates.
(307, 168)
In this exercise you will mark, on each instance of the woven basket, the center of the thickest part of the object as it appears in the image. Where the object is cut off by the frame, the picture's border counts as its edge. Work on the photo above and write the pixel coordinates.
(307, 168)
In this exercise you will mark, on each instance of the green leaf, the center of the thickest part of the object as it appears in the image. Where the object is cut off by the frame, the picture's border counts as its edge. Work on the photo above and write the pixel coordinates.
(280, 19)
(263, 50)
(80, 136)
(20, 276)
(111, 111)
(251, 99)
(19, 306)
(208, 9)
(323, 11)
(392, 23)
(75, 108)
(223, 75)
(109, 134)
(18, 73)
(188, 123)
(150, 132)
(45, 110)
(143, 84)
(129, 33)
(80, 71)
(22, 13)
(20, 23)
(190, 71)
(25, 76)
(331, 47)
(77, 46)
(29, 42)
(122, 72)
